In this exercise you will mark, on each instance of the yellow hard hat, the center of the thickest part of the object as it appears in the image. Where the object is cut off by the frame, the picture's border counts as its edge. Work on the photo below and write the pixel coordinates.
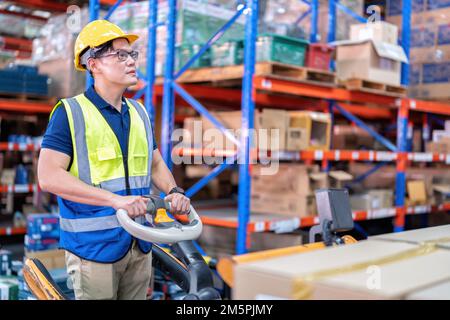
(95, 34)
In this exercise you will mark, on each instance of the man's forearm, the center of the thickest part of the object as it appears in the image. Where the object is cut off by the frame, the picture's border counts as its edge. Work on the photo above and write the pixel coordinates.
(162, 178)
(63, 184)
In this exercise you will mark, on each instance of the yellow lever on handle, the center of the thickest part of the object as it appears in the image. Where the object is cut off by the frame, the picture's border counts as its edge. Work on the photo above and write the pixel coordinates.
(161, 216)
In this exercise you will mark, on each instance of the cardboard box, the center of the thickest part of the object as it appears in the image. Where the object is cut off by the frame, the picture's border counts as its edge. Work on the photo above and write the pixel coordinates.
(274, 119)
(349, 137)
(339, 178)
(416, 192)
(214, 139)
(345, 272)
(439, 291)
(369, 60)
(372, 200)
(315, 133)
(290, 179)
(318, 180)
(51, 259)
(441, 193)
(286, 205)
(379, 31)
(296, 139)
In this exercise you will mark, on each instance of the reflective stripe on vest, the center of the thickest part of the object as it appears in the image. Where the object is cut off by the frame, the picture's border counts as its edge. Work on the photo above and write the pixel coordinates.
(89, 224)
(80, 141)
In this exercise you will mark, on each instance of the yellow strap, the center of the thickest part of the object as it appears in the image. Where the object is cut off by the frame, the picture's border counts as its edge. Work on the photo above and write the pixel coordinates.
(161, 216)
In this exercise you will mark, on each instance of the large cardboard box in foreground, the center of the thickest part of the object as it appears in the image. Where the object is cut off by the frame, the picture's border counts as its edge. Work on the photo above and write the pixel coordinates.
(369, 60)
(390, 267)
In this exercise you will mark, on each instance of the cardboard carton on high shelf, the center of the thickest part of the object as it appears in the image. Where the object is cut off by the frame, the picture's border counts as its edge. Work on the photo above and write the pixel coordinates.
(308, 131)
(416, 192)
(51, 259)
(349, 137)
(379, 31)
(344, 272)
(273, 119)
(369, 60)
(214, 139)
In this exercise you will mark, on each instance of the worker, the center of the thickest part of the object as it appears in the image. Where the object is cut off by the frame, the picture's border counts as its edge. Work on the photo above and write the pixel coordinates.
(99, 155)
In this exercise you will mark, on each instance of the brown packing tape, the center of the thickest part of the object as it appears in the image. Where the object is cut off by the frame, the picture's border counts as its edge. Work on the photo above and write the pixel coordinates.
(303, 286)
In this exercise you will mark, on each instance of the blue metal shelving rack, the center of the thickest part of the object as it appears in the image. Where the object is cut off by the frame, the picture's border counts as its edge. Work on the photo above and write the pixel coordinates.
(250, 9)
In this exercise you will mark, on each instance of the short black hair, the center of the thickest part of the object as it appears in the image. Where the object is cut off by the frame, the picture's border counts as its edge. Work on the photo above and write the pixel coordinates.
(102, 49)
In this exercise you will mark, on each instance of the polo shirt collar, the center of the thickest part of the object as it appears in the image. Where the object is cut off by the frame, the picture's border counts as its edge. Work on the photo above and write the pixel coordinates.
(98, 101)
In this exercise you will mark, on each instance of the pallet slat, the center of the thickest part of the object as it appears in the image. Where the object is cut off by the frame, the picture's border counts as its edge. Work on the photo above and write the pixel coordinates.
(373, 87)
(232, 75)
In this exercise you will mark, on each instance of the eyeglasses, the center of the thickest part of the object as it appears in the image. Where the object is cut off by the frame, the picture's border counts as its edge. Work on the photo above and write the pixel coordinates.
(122, 55)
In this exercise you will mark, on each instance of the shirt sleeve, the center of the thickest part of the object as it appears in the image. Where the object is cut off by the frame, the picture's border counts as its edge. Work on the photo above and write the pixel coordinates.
(57, 136)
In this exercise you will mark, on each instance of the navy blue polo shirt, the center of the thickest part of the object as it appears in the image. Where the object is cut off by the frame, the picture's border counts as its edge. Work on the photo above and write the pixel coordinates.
(57, 136)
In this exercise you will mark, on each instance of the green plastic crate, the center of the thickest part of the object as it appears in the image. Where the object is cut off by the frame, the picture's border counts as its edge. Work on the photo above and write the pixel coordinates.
(186, 51)
(227, 54)
(275, 48)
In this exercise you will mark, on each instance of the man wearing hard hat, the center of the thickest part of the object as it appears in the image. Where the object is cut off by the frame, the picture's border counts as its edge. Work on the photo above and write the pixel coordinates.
(99, 155)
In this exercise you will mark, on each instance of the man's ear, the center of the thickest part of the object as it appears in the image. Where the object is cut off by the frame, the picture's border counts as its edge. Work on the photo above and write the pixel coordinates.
(92, 66)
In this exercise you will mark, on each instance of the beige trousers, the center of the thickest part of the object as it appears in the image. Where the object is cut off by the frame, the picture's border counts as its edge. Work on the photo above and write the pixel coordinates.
(127, 279)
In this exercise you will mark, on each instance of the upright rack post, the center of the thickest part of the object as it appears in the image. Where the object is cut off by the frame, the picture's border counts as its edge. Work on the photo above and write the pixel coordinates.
(314, 20)
(406, 35)
(402, 158)
(151, 50)
(168, 109)
(248, 106)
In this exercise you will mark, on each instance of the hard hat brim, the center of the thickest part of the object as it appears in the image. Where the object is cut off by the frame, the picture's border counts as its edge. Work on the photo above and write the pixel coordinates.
(129, 36)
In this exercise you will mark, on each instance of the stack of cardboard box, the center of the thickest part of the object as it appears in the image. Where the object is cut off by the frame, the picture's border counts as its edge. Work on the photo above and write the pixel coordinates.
(286, 192)
(393, 266)
(430, 47)
(289, 189)
(372, 53)
(281, 130)
(440, 141)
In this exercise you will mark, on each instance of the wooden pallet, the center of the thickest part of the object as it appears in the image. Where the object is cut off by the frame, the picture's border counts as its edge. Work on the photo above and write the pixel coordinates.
(232, 75)
(26, 97)
(374, 87)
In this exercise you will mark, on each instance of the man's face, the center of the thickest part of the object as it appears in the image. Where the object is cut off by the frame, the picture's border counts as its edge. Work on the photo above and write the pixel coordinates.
(114, 70)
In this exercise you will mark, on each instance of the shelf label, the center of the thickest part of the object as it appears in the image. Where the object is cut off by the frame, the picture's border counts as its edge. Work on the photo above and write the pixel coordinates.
(355, 155)
(285, 226)
(266, 84)
(318, 155)
(447, 159)
(371, 155)
(337, 155)
(10, 146)
(423, 157)
(22, 146)
(382, 213)
(422, 209)
(8, 231)
(260, 226)
(21, 188)
(385, 156)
